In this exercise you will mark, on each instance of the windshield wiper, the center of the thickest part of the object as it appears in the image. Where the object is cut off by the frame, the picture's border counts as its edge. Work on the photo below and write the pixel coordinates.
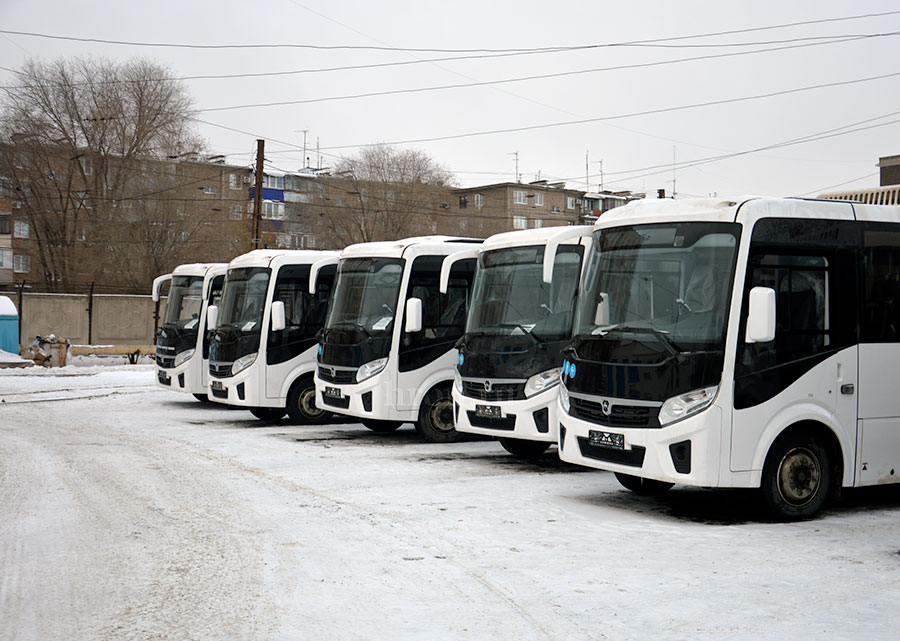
(663, 337)
(525, 330)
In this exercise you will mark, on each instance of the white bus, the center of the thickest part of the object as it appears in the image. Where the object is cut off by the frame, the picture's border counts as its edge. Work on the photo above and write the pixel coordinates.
(263, 349)
(387, 352)
(519, 319)
(739, 343)
(182, 351)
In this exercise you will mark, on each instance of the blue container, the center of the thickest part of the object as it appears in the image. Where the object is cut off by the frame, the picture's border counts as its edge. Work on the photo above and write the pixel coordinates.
(9, 326)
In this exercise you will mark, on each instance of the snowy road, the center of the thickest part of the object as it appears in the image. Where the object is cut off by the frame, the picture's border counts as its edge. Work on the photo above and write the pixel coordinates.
(128, 512)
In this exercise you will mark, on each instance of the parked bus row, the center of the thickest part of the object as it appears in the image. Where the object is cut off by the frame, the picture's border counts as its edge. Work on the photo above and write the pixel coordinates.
(746, 343)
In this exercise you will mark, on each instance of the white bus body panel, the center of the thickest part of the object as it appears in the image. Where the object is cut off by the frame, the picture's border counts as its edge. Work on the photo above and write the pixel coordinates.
(524, 427)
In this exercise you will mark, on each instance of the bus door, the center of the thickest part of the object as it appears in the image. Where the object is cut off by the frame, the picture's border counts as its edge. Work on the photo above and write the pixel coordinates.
(443, 322)
(878, 448)
(813, 360)
(304, 316)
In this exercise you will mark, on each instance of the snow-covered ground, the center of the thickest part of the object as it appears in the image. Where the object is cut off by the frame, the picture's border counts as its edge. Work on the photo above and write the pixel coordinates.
(130, 512)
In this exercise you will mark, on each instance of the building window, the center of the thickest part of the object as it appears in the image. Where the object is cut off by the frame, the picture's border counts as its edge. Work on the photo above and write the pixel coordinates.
(291, 183)
(570, 202)
(210, 189)
(87, 166)
(21, 229)
(273, 182)
(21, 264)
(234, 181)
(463, 202)
(237, 212)
(272, 209)
(6, 258)
(4, 223)
(538, 222)
(520, 222)
(84, 201)
(185, 236)
(554, 209)
(539, 199)
(520, 198)
(479, 200)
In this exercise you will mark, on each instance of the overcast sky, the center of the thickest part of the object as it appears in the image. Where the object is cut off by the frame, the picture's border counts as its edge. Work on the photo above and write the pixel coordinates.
(619, 132)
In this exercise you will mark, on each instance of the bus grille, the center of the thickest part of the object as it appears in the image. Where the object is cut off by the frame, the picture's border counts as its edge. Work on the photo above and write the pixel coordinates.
(334, 375)
(619, 416)
(498, 391)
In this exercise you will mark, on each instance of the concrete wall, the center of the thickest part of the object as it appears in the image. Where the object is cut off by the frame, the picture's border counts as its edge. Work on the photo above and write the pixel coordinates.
(116, 320)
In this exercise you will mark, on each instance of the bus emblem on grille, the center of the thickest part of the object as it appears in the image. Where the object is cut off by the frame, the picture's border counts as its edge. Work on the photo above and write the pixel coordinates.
(487, 386)
(606, 407)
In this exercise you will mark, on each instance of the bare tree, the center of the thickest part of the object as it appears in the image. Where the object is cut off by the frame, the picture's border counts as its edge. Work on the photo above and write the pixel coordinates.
(388, 193)
(78, 136)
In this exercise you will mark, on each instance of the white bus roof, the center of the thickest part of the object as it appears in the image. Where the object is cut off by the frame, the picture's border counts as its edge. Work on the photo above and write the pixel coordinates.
(524, 237)
(198, 269)
(395, 248)
(265, 257)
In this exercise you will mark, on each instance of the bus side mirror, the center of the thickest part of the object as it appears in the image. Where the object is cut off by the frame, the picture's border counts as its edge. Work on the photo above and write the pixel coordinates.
(212, 317)
(414, 315)
(278, 319)
(761, 315)
(601, 316)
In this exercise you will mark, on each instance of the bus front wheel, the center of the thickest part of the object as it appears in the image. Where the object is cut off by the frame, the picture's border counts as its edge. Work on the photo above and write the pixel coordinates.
(796, 478)
(301, 404)
(644, 487)
(436, 417)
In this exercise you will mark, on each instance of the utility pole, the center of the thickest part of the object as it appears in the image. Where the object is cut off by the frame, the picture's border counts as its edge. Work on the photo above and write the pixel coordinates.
(587, 171)
(257, 193)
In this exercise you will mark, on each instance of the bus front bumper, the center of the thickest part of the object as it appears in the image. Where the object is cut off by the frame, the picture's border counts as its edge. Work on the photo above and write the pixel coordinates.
(531, 419)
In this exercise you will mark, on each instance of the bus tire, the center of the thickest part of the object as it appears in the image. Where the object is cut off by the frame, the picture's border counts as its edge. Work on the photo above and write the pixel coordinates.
(523, 448)
(796, 478)
(301, 403)
(436, 417)
(267, 413)
(382, 427)
(642, 486)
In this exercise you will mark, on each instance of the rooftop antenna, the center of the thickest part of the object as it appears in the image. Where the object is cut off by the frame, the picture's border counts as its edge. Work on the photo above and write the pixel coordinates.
(516, 154)
(305, 159)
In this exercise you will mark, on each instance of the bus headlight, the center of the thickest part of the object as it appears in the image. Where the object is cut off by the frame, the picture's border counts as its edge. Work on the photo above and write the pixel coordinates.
(684, 405)
(564, 399)
(542, 381)
(457, 381)
(370, 369)
(243, 363)
(183, 357)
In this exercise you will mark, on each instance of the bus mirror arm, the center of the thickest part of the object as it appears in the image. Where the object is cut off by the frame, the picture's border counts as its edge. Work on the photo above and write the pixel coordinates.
(278, 319)
(212, 317)
(761, 315)
(448, 263)
(157, 285)
(553, 243)
(316, 267)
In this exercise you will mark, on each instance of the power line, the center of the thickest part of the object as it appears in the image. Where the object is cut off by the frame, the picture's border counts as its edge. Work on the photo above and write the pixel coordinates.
(33, 34)
(846, 182)
(633, 114)
(559, 74)
(362, 67)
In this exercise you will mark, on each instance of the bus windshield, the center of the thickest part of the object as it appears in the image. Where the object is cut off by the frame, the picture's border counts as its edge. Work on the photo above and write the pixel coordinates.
(663, 283)
(184, 302)
(365, 295)
(244, 299)
(510, 298)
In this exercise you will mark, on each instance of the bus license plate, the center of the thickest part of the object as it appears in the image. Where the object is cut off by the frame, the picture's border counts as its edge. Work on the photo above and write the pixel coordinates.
(487, 411)
(606, 439)
(332, 392)
(217, 385)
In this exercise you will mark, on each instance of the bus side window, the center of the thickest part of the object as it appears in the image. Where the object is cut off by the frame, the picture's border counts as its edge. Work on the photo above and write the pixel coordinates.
(881, 274)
